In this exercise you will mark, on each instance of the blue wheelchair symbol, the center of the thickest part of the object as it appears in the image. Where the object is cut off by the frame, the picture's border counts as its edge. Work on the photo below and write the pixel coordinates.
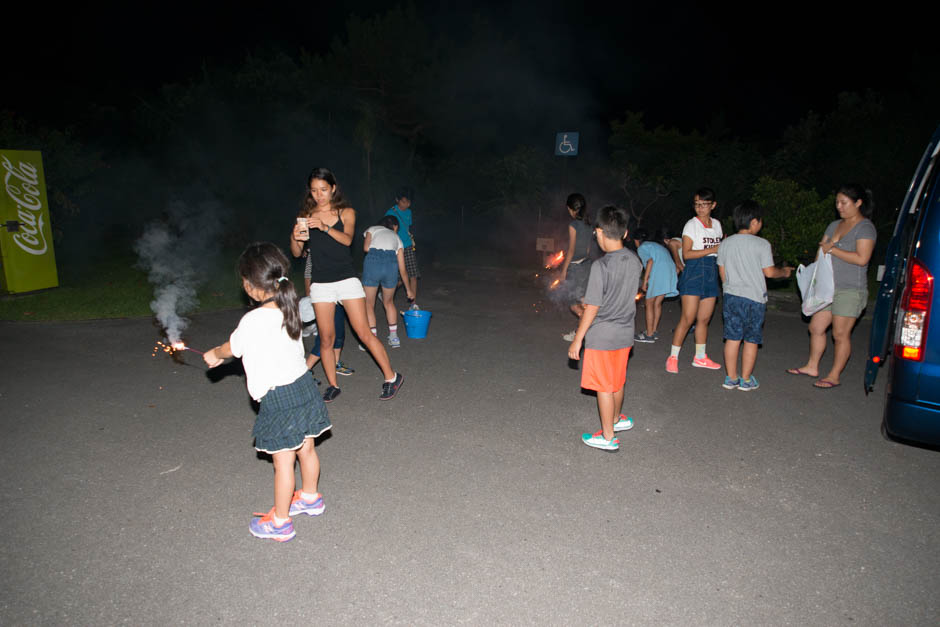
(566, 144)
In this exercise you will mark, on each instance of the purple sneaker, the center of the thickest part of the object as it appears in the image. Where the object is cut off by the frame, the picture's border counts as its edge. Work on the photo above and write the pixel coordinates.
(311, 508)
(264, 527)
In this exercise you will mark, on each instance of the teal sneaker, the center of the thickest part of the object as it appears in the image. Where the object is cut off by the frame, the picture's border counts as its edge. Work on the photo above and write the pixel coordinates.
(750, 384)
(623, 423)
(730, 383)
(596, 440)
(343, 369)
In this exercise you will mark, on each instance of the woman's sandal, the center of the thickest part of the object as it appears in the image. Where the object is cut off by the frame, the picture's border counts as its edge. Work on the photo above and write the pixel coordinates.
(825, 384)
(799, 371)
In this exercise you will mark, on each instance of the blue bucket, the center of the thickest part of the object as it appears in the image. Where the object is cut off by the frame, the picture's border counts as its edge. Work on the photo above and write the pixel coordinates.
(416, 323)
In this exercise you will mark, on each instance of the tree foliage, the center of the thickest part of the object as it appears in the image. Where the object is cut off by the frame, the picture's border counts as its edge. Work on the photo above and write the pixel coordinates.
(795, 218)
(659, 169)
(70, 166)
(460, 119)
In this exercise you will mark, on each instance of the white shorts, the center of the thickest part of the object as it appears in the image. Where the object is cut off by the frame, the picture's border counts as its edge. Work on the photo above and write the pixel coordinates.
(347, 289)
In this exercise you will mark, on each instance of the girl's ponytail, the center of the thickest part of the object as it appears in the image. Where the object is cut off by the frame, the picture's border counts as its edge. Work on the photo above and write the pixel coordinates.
(265, 267)
(576, 203)
(285, 296)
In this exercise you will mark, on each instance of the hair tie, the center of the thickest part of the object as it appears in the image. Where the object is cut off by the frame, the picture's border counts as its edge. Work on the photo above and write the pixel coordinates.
(283, 278)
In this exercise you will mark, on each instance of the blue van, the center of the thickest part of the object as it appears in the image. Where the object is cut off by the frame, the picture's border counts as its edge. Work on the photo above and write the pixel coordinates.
(905, 331)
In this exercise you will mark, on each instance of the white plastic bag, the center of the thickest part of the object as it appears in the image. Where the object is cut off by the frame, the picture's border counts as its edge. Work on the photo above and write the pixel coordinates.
(306, 310)
(816, 283)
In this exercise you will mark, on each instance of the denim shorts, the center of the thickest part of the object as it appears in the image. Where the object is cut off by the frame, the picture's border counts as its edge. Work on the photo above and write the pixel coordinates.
(699, 278)
(744, 319)
(577, 279)
(380, 267)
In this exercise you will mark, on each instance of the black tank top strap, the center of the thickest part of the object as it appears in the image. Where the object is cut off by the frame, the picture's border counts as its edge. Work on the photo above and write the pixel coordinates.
(331, 261)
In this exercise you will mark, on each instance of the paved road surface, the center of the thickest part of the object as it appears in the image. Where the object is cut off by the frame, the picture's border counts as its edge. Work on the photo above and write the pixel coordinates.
(129, 481)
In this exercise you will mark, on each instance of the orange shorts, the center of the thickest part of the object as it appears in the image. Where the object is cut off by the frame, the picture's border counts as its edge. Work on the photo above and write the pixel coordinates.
(604, 371)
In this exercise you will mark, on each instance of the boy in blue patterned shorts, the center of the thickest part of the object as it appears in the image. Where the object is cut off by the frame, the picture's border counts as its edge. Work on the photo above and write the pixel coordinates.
(744, 262)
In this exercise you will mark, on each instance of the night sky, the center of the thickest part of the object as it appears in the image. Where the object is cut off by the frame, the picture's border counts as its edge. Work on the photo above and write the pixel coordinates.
(758, 68)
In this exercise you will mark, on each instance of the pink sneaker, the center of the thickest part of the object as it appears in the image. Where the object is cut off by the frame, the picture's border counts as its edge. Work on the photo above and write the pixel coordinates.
(672, 365)
(705, 362)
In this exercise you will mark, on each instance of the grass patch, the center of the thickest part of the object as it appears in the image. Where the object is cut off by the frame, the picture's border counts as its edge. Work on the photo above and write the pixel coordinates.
(114, 288)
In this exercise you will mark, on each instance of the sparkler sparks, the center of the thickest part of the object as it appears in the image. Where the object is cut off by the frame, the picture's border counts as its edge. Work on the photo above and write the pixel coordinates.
(555, 259)
(554, 284)
(172, 349)
(180, 346)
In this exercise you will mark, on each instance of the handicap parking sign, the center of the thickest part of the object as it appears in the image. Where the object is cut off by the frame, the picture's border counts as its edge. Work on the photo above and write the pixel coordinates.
(566, 144)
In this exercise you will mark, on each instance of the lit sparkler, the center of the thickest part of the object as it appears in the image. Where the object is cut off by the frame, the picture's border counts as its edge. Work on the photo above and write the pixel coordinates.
(172, 349)
(555, 259)
(180, 346)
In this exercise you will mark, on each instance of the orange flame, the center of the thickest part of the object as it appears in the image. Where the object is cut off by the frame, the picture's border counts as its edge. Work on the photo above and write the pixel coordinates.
(555, 259)
(554, 284)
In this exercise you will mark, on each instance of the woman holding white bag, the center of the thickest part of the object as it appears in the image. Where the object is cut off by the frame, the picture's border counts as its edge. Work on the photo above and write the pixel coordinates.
(850, 241)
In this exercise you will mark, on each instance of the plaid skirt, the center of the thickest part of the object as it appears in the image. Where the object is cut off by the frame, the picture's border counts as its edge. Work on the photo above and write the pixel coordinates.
(289, 414)
(411, 262)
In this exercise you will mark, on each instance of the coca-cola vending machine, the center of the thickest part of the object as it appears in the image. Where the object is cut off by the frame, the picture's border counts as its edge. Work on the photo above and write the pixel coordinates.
(27, 260)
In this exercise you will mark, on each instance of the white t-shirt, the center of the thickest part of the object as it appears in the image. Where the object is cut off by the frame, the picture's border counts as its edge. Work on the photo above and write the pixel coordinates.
(384, 238)
(269, 356)
(701, 236)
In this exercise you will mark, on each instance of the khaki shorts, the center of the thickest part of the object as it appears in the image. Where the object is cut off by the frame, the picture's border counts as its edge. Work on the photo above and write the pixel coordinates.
(848, 303)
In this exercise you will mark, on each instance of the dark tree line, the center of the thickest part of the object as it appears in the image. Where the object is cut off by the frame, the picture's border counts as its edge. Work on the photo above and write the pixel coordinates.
(462, 118)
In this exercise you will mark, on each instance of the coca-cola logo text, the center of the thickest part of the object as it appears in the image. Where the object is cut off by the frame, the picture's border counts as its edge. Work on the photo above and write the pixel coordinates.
(22, 186)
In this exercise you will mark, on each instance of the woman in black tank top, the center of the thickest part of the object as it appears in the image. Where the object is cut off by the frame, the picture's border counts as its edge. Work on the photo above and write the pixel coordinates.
(331, 226)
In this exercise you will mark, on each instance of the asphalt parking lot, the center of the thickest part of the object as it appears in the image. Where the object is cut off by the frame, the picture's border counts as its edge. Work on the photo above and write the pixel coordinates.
(129, 481)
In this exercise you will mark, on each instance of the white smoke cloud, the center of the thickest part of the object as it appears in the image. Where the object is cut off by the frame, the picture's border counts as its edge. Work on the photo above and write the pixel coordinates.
(562, 295)
(175, 253)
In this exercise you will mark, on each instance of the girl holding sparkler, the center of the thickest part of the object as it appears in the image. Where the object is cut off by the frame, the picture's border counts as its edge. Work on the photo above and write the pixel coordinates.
(330, 227)
(659, 281)
(292, 413)
(582, 250)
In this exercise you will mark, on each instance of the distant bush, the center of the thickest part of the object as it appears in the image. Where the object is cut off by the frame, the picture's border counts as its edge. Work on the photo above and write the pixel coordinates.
(795, 218)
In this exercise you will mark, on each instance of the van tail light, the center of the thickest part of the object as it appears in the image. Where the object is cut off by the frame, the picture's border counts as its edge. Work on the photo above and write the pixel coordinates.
(915, 312)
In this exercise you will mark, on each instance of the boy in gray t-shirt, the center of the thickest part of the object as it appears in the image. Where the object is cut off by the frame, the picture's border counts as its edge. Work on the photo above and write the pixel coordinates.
(744, 260)
(606, 327)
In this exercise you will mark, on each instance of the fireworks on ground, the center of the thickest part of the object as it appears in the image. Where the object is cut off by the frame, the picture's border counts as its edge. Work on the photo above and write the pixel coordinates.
(555, 260)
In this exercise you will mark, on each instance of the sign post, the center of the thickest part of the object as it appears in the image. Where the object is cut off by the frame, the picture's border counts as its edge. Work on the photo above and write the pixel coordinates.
(566, 145)
(27, 259)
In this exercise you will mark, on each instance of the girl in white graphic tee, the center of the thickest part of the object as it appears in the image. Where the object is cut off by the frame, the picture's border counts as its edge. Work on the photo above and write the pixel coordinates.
(698, 283)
